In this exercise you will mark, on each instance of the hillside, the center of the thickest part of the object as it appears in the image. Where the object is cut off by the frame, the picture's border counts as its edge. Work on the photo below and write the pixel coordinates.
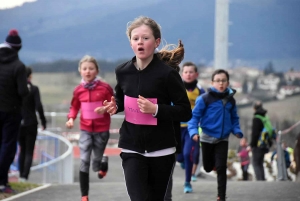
(261, 30)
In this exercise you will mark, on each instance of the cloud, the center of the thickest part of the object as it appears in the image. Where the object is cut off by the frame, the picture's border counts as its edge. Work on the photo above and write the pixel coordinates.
(7, 4)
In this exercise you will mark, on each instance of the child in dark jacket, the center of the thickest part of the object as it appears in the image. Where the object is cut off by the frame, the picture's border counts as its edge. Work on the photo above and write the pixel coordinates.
(88, 97)
(286, 156)
(216, 113)
(151, 93)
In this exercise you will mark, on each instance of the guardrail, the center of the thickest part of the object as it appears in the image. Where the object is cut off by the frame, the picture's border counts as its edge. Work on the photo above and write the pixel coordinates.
(281, 167)
(53, 159)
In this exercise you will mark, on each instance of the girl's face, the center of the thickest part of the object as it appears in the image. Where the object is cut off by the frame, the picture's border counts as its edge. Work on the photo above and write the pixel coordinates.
(189, 74)
(243, 142)
(220, 82)
(88, 71)
(143, 42)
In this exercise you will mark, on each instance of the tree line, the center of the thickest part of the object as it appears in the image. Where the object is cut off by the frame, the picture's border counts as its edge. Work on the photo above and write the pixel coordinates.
(72, 66)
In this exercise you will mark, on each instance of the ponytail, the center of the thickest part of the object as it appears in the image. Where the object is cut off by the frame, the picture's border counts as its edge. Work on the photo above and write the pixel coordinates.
(172, 57)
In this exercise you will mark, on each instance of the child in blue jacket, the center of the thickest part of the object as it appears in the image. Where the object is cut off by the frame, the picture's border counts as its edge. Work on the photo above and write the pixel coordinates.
(216, 113)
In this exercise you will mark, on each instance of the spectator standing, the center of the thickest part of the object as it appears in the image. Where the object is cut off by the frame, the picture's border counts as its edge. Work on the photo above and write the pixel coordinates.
(28, 131)
(258, 153)
(13, 86)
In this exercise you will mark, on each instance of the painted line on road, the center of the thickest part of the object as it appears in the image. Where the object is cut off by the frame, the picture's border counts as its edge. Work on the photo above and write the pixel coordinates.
(27, 192)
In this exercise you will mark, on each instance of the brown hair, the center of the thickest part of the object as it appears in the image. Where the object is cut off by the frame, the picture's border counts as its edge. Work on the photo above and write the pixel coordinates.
(219, 71)
(169, 54)
(88, 58)
(190, 64)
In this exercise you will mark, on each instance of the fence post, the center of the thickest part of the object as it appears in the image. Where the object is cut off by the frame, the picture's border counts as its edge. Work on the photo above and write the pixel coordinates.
(281, 167)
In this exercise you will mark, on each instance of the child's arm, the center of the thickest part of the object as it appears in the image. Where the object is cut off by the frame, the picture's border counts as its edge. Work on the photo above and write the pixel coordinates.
(235, 123)
(119, 98)
(181, 108)
(70, 123)
(75, 106)
(108, 96)
(193, 124)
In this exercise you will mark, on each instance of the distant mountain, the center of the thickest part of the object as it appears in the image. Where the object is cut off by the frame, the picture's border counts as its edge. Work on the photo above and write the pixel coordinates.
(261, 30)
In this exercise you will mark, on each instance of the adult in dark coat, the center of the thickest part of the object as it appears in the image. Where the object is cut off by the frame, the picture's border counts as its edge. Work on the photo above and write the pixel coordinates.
(13, 86)
(28, 131)
(257, 152)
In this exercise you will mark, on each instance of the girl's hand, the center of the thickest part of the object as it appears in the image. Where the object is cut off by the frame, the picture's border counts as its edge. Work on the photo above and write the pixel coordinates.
(146, 106)
(110, 107)
(70, 123)
(248, 148)
(196, 137)
(238, 135)
(100, 110)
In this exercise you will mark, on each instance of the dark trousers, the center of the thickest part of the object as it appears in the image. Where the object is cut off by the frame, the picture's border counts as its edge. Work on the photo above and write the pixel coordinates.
(258, 155)
(147, 178)
(245, 171)
(9, 129)
(168, 196)
(26, 140)
(190, 153)
(215, 156)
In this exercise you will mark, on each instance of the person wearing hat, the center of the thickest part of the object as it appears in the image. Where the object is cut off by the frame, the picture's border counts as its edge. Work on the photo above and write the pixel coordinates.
(13, 86)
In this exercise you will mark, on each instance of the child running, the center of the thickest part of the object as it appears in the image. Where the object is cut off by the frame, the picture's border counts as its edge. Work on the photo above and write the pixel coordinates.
(150, 91)
(190, 148)
(243, 153)
(217, 114)
(88, 97)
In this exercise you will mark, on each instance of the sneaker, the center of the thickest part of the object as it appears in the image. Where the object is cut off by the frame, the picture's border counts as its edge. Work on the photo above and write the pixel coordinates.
(85, 198)
(182, 165)
(7, 189)
(194, 178)
(200, 175)
(22, 180)
(101, 174)
(187, 188)
(219, 199)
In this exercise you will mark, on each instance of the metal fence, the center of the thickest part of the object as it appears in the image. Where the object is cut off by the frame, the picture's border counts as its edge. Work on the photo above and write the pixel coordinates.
(52, 161)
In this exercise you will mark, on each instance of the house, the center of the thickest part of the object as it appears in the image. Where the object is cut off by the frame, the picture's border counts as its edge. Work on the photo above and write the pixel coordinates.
(268, 82)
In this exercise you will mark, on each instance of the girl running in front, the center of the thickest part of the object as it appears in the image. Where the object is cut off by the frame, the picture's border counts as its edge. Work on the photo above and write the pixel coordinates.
(88, 97)
(151, 92)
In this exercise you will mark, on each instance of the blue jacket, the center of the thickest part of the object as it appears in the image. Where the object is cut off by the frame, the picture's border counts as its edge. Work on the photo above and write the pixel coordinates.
(216, 113)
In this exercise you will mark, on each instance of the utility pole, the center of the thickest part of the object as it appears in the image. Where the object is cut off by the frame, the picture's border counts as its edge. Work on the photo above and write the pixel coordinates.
(221, 34)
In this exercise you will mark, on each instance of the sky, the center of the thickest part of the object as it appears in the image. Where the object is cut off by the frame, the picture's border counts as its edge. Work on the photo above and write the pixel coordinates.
(6, 4)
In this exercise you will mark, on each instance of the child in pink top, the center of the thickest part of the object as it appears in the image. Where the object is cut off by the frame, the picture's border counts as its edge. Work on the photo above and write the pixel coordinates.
(243, 153)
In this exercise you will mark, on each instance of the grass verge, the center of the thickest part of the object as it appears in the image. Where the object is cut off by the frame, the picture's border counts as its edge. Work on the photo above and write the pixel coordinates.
(19, 188)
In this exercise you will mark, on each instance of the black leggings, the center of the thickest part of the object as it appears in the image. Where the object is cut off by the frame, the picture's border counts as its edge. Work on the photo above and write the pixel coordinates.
(215, 156)
(27, 139)
(147, 178)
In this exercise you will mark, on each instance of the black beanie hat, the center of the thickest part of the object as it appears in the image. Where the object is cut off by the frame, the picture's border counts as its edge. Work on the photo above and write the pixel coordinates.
(13, 39)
